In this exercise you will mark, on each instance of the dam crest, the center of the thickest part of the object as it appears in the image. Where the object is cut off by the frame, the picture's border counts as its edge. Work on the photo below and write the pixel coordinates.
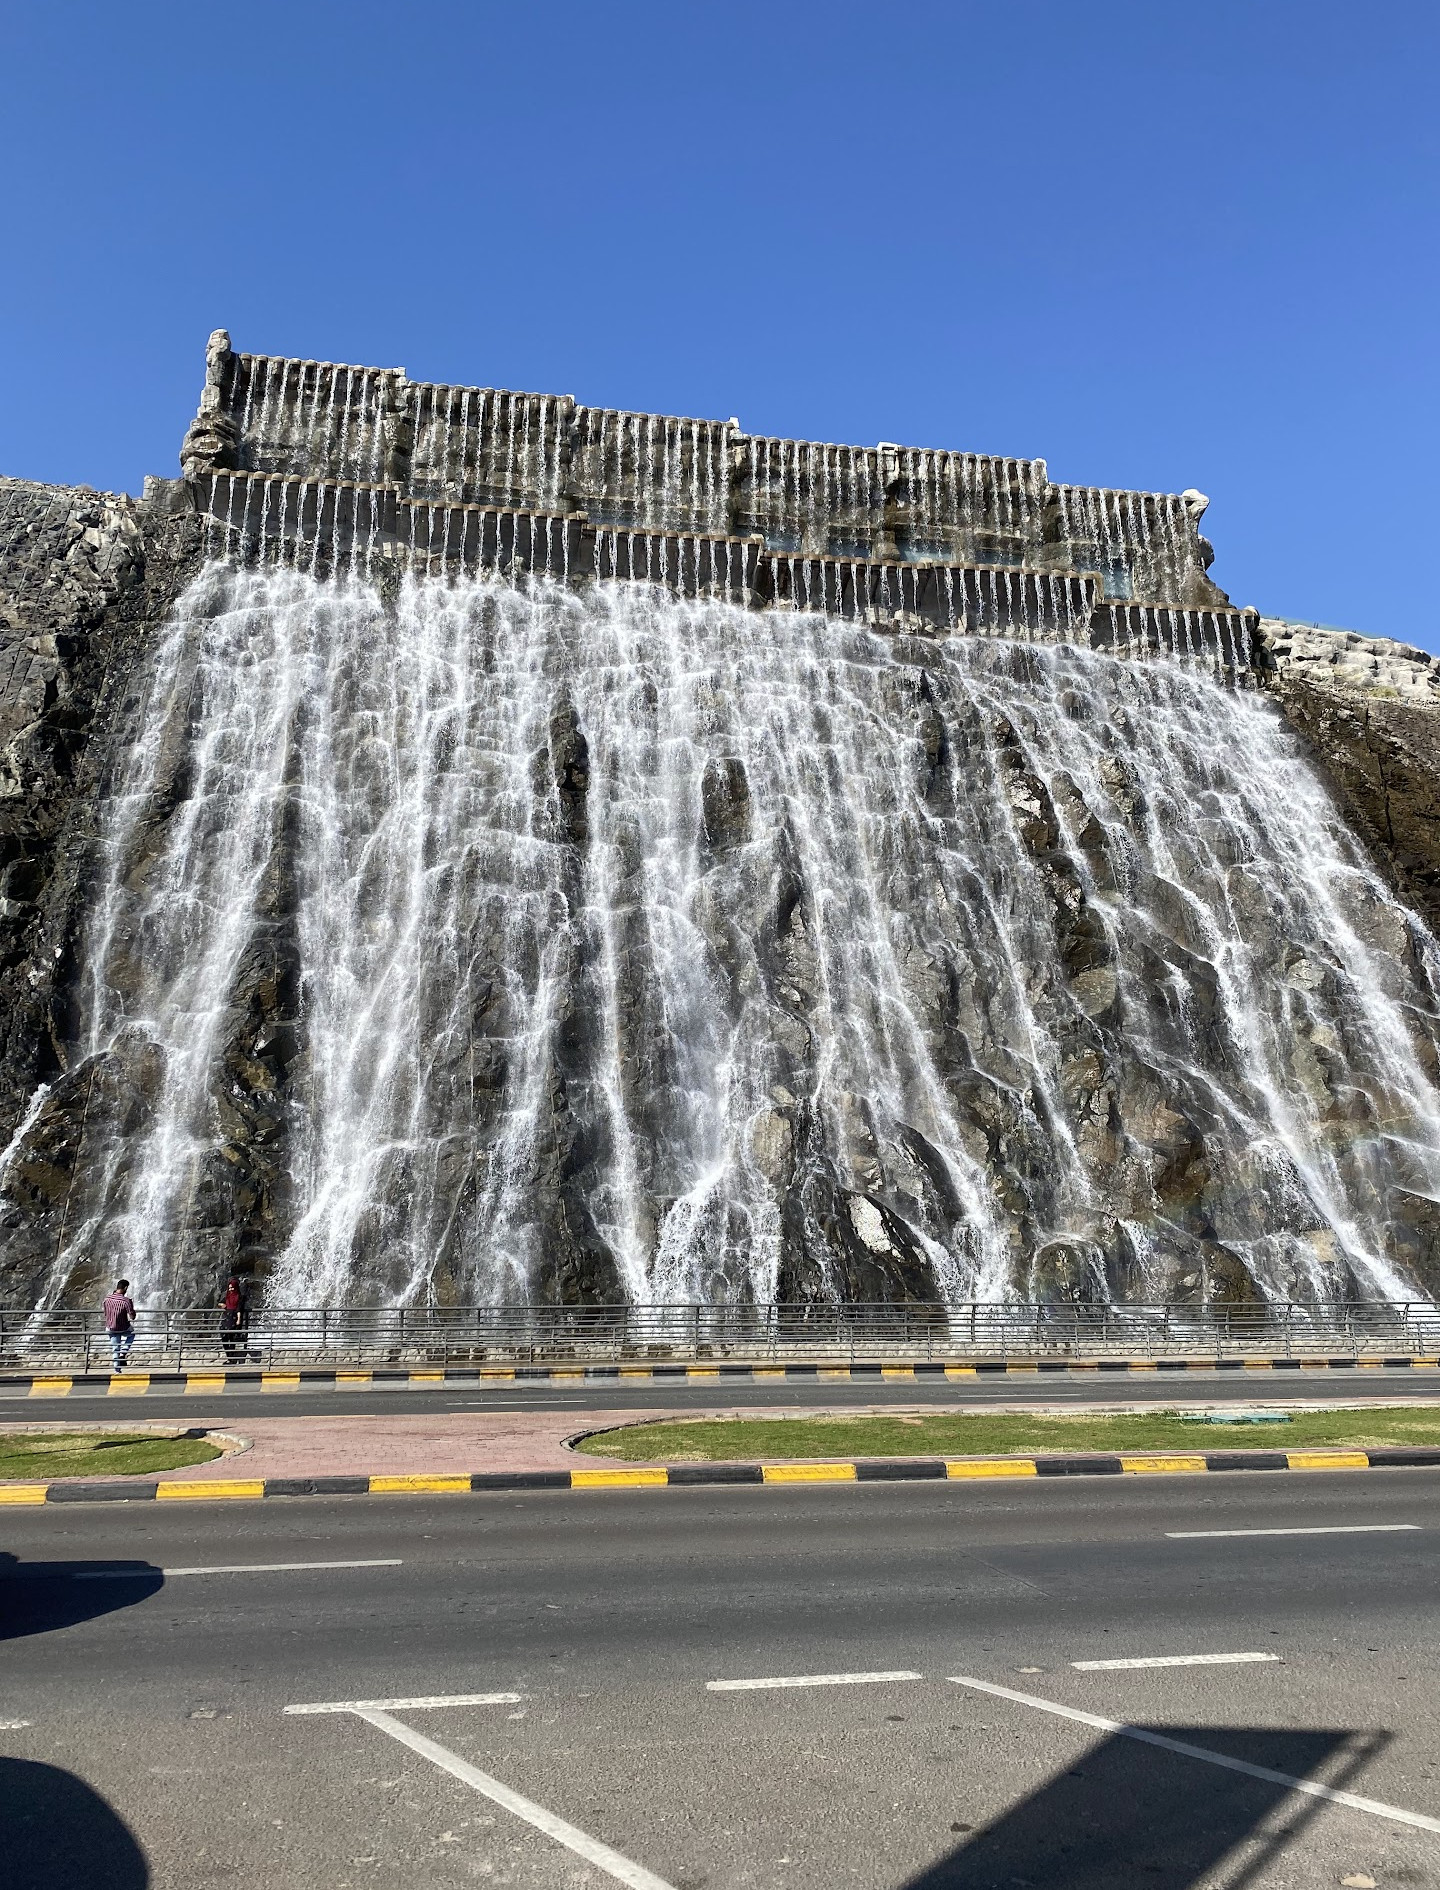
(330, 467)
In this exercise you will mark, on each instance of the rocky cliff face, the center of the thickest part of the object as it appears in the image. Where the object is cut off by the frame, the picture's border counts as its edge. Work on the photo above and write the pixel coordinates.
(85, 577)
(1369, 710)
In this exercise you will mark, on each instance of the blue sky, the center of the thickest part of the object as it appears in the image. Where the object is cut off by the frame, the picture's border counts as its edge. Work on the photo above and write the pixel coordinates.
(1158, 245)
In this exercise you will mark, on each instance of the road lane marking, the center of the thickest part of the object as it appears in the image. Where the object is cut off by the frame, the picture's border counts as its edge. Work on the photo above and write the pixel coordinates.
(420, 1702)
(1168, 1660)
(614, 1863)
(1310, 1787)
(810, 1680)
(1322, 1529)
(226, 1568)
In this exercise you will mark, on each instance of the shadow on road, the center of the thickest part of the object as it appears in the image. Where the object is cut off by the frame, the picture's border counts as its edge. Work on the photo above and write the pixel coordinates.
(1128, 1813)
(38, 1597)
(57, 1834)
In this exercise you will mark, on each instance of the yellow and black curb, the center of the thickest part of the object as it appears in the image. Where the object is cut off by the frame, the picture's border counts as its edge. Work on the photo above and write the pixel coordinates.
(693, 1475)
(307, 1377)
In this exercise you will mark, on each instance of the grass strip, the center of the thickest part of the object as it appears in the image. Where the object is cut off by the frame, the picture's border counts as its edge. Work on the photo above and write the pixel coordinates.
(36, 1455)
(962, 1434)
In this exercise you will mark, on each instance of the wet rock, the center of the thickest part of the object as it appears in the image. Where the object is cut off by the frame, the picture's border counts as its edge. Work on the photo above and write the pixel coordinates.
(725, 803)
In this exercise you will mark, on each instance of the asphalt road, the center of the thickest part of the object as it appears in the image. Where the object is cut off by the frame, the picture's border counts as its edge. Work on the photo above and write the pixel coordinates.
(155, 1747)
(1146, 1388)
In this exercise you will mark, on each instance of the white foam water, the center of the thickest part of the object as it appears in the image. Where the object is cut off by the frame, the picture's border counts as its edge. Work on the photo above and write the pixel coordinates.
(689, 929)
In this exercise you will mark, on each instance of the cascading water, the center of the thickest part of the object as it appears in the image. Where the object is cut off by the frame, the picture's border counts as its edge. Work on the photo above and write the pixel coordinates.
(521, 942)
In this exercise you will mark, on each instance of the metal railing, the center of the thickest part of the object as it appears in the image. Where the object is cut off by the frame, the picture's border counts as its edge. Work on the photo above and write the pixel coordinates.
(177, 1338)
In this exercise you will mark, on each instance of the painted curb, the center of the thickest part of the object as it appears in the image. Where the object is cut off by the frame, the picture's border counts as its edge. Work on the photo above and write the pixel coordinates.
(693, 1475)
(305, 1377)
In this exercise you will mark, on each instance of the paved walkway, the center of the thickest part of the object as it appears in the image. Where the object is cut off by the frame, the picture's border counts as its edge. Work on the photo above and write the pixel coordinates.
(389, 1444)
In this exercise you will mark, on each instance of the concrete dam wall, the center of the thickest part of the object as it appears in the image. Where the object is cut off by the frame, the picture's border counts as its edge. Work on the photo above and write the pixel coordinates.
(327, 466)
(457, 845)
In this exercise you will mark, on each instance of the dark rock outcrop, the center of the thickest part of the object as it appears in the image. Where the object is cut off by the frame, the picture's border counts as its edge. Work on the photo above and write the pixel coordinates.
(85, 578)
(1369, 710)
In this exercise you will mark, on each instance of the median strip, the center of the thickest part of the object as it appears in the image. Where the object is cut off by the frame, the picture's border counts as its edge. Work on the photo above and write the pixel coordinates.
(719, 1475)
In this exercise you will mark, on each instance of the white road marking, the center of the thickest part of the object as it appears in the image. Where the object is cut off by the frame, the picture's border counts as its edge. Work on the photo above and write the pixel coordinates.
(421, 1701)
(1168, 1660)
(227, 1568)
(809, 1680)
(14, 1725)
(1327, 1529)
(612, 1862)
(1307, 1785)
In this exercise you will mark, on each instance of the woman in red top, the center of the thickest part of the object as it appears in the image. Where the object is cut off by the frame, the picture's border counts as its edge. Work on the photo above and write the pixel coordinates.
(234, 1321)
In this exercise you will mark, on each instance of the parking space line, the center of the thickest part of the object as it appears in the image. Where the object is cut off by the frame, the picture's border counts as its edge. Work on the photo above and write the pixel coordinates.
(419, 1702)
(614, 1863)
(810, 1680)
(1322, 1529)
(1168, 1660)
(1310, 1787)
(225, 1568)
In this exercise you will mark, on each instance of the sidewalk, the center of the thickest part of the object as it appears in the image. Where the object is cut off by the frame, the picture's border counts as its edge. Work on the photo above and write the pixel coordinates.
(401, 1443)
(140, 1379)
(392, 1443)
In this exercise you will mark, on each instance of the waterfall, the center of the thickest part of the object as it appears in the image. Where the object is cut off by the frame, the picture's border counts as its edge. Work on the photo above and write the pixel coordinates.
(498, 940)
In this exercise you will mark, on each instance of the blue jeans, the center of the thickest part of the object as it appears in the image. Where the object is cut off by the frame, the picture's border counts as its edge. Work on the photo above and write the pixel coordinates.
(120, 1343)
